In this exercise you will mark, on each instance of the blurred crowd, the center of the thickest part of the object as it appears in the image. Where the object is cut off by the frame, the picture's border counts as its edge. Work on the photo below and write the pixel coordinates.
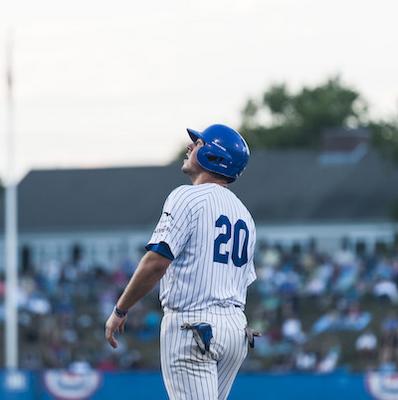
(322, 311)
(316, 311)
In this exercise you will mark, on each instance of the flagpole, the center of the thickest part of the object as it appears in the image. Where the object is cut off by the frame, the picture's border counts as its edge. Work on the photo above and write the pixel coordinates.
(11, 231)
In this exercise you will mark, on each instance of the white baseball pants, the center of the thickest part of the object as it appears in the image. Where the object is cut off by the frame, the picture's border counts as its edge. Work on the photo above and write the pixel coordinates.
(189, 375)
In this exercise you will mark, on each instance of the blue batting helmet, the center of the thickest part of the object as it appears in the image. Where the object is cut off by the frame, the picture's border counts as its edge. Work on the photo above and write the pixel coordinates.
(225, 152)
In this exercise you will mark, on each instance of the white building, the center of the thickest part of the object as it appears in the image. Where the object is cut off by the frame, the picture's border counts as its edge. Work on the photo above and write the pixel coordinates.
(102, 216)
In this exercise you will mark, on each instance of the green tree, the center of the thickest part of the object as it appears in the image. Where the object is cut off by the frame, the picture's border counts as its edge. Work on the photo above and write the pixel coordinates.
(385, 137)
(282, 119)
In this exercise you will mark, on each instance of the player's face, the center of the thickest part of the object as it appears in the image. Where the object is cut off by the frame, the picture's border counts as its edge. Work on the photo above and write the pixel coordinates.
(190, 164)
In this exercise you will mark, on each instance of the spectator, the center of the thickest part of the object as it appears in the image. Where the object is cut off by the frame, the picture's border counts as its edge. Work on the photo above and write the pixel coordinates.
(366, 346)
(299, 296)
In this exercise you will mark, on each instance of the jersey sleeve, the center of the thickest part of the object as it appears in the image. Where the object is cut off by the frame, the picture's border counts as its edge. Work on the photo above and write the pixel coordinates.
(174, 227)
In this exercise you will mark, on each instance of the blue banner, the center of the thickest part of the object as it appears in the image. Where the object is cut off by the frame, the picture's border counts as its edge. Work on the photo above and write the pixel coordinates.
(66, 385)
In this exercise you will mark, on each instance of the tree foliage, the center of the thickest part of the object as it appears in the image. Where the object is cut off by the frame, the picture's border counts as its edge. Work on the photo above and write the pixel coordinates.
(385, 138)
(283, 119)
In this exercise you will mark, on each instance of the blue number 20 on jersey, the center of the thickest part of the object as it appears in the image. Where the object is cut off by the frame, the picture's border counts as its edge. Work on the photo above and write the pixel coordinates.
(223, 238)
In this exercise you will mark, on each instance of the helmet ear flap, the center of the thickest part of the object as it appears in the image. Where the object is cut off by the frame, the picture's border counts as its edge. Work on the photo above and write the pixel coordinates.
(213, 156)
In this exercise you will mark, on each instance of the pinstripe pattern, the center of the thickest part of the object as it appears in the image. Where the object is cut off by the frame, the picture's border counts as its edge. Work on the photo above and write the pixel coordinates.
(189, 375)
(196, 288)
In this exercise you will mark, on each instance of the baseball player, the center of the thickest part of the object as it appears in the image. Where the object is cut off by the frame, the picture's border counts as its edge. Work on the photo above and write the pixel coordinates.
(202, 252)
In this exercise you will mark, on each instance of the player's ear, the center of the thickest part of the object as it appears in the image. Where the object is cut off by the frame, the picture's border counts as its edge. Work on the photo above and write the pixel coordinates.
(199, 143)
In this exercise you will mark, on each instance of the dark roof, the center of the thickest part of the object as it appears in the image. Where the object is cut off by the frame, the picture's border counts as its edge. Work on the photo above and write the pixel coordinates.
(110, 198)
(294, 186)
(277, 187)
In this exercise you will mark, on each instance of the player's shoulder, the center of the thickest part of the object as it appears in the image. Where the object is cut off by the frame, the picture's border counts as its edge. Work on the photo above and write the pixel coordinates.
(181, 194)
(183, 191)
(243, 207)
(180, 190)
(191, 190)
(190, 196)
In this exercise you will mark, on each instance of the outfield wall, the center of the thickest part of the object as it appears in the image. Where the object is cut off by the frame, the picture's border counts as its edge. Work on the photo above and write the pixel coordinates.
(148, 386)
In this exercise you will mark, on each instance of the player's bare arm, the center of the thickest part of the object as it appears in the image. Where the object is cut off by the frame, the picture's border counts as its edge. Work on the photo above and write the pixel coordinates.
(148, 273)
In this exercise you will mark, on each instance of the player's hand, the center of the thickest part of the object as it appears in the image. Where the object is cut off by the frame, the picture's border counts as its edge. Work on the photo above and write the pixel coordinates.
(114, 324)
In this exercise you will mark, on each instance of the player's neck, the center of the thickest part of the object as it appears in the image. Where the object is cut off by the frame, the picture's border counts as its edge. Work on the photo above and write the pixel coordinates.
(205, 177)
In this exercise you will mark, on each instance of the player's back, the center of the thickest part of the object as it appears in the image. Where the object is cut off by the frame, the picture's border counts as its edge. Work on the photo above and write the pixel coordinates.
(215, 263)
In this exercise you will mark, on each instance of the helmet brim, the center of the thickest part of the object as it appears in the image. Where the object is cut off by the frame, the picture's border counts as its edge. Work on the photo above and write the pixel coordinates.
(194, 135)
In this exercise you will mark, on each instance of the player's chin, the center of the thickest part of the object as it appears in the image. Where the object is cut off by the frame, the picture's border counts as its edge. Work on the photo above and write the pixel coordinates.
(185, 166)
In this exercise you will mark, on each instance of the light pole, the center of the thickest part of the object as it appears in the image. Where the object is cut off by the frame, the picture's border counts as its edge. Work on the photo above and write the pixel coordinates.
(11, 230)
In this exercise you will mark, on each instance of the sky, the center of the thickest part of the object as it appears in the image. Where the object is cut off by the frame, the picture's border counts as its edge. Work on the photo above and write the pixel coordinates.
(108, 83)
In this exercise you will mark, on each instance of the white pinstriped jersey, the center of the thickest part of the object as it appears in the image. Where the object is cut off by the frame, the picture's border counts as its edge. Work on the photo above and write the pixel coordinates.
(212, 236)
